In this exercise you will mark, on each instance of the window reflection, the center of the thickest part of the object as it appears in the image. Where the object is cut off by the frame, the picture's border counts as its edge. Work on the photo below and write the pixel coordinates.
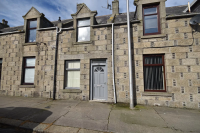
(151, 24)
(83, 30)
(84, 34)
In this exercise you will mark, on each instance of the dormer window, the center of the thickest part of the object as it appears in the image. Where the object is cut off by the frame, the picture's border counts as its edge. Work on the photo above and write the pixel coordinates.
(31, 30)
(151, 20)
(83, 30)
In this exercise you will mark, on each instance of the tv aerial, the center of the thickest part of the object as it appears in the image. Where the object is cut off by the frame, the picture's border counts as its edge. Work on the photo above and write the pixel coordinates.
(108, 6)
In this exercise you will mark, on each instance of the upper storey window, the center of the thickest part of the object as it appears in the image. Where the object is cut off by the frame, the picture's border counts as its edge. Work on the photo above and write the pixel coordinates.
(151, 20)
(31, 30)
(83, 30)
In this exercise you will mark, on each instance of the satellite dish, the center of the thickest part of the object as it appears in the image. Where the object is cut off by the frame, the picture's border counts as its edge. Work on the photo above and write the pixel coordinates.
(195, 20)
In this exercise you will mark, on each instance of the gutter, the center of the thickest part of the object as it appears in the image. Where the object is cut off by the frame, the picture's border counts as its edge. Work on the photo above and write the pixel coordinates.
(122, 23)
(49, 28)
(5, 33)
(182, 16)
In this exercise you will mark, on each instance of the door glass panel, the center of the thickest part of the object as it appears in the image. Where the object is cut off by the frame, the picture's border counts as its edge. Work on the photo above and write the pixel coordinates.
(29, 75)
(150, 11)
(30, 62)
(151, 24)
(73, 79)
(0, 61)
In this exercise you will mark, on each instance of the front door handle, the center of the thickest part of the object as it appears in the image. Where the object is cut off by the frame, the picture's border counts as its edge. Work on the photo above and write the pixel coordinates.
(98, 85)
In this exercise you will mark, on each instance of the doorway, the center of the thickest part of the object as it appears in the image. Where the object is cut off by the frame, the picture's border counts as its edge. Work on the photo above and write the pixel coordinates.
(99, 89)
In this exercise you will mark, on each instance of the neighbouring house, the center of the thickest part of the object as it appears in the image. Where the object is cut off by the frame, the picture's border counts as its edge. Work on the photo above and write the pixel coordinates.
(165, 54)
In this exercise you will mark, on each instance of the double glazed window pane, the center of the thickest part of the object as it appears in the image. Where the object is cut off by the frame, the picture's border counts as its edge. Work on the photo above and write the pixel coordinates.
(150, 11)
(151, 24)
(85, 22)
(73, 74)
(153, 78)
(32, 35)
(33, 24)
(84, 34)
(29, 75)
(153, 73)
(30, 62)
(73, 65)
(29, 71)
(73, 79)
(84, 30)
(153, 60)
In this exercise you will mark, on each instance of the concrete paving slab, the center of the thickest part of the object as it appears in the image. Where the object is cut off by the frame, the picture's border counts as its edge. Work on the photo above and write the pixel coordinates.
(61, 129)
(181, 119)
(87, 115)
(37, 127)
(56, 112)
(143, 119)
(100, 125)
(89, 131)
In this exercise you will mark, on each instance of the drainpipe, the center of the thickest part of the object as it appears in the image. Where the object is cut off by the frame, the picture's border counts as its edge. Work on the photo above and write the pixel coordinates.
(130, 59)
(55, 68)
(113, 64)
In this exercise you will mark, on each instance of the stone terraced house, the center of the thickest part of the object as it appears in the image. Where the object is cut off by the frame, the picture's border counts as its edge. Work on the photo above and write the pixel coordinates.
(165, 55)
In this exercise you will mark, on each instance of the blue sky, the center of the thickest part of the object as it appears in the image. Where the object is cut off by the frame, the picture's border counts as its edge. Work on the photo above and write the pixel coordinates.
(13, 10)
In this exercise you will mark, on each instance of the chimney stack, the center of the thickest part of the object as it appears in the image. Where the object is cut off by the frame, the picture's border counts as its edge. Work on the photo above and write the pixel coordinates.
(79, 6)
(115, 7)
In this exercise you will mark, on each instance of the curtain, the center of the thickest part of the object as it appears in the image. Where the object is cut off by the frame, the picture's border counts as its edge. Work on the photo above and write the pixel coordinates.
(153, 75)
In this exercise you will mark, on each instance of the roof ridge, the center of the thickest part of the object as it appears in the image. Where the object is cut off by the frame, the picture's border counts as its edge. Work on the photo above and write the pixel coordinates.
(177, 6)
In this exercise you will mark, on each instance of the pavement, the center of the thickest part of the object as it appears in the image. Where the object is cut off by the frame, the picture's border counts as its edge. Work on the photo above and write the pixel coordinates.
(40, 115)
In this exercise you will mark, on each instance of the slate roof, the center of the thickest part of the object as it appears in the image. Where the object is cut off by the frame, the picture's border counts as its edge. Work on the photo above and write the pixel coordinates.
(175, 10)
(170, 11)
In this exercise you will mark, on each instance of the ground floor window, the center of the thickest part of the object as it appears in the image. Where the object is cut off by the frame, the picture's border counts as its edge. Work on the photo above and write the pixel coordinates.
(72, 75)
(154, 77)
(28, 71)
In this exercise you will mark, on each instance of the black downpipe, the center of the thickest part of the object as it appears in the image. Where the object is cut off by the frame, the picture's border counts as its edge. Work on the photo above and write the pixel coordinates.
(55, 68)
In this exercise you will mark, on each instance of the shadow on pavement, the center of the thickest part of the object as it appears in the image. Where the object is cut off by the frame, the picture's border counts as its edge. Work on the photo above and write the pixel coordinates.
(24, 118)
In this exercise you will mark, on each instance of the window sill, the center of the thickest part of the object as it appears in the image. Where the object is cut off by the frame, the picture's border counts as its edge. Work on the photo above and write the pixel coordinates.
(86, 42)
(26, 86)
(30, 43)
(163, 94)
(72, 91)
(153, 36)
